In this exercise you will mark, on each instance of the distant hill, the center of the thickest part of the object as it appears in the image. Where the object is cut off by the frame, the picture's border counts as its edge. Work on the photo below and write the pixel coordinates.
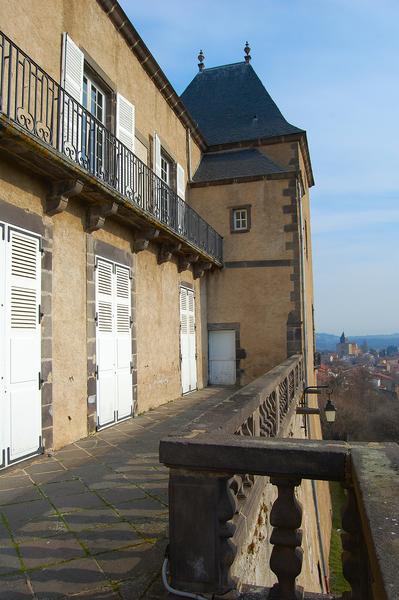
(328, 341)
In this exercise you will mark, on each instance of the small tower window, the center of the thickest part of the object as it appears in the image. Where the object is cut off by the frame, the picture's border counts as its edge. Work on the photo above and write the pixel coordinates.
(240, 219)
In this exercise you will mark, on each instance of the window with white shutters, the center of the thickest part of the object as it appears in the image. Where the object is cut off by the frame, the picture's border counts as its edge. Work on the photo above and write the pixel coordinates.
(20, 344)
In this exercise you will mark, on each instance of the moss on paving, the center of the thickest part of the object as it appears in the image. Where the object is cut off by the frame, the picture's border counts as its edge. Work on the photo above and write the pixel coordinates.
(338, 582)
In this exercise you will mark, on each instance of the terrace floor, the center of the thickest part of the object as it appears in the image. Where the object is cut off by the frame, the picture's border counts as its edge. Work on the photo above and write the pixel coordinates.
(90, 521)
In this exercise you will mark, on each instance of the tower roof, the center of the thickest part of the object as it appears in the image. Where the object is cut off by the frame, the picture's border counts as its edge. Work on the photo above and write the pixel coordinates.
(230, 104)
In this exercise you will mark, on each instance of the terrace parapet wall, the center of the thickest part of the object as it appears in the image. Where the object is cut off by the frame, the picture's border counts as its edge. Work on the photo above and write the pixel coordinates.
(219, 522)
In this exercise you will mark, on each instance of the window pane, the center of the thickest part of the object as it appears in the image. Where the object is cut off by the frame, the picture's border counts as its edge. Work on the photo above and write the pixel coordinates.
(240, 219)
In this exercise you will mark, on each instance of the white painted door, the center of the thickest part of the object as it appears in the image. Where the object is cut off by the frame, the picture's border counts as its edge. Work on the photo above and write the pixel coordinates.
(187, 341)
(113, 342)
(20, 345)
(222, 357)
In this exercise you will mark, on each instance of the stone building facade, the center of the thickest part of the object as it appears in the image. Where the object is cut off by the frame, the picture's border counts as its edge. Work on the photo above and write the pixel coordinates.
(119, 293)
(150, 244)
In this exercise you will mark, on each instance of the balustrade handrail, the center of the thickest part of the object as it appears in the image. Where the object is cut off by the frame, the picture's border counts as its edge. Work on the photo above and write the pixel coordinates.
(370, 522)
(32, 99)
(271, 394)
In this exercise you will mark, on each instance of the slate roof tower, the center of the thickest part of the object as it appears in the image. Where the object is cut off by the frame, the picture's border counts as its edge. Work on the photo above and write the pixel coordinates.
(253, 179)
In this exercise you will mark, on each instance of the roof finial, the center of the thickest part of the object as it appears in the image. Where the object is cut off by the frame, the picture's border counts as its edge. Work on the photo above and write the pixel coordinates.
(247, 51)
(201, 58)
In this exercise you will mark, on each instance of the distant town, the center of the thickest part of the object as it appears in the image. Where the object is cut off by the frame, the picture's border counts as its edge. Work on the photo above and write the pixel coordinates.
(380, 365)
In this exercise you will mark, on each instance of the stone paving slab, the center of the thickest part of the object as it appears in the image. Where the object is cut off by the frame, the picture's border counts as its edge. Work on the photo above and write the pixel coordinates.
(91, 521)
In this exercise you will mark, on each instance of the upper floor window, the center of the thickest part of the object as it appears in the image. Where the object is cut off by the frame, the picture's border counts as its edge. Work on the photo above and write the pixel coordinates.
(166, 168)
(240, 219)
(87, 85)
(94, 99)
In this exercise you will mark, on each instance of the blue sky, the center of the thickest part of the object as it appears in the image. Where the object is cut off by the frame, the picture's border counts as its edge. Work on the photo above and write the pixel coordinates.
(332, 66)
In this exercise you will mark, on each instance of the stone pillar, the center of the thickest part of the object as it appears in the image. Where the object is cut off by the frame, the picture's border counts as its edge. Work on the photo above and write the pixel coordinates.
(201, 506)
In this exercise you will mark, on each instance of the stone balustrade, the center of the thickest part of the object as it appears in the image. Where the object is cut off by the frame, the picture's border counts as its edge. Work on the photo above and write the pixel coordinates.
(265, 408)
(213, 470)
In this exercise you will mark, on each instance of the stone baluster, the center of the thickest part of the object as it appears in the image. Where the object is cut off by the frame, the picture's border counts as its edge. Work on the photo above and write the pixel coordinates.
(226, 509)
(278, 414)
(354, 556)
(287, 555)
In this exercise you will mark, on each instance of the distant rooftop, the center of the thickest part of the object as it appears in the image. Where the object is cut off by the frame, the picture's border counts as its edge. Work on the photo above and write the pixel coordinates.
(230, 104)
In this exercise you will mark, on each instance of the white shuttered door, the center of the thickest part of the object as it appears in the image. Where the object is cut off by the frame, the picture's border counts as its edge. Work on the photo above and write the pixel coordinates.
(113, 317)
(20, 354)
(187, 340)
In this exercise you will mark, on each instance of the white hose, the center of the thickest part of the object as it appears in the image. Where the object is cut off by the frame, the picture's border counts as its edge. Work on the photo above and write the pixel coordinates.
(172, 590)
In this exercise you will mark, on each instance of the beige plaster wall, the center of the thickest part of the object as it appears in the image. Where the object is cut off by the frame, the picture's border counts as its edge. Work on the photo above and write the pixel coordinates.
(69, 326)
(257, 297)
(158, 330)
(266, 239)
(91, 29)
(283, 153)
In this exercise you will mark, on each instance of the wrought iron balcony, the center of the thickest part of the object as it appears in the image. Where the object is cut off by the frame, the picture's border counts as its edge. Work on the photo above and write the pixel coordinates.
(33, 101)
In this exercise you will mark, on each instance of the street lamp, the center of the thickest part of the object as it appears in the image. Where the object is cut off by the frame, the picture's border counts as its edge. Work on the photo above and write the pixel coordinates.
(330, 411)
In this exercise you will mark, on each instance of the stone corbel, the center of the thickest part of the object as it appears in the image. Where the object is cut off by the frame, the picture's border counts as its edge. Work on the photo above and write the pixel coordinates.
(97, 213)
(143, 238)
(60, 192)
(186, 260)
(200, 268)
(166, 252)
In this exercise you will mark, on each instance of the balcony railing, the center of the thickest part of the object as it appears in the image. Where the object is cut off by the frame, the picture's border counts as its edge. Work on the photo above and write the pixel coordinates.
(261, 409)
(34, 101)
(205, 509)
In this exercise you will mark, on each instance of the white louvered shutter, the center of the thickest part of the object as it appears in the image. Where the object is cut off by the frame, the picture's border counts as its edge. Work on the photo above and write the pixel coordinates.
(191, 335)
(23, 343)
(181, 181)
(123, 342)
(72, 82)
(181, 207)
(4, 417)
(72, 68)
(125, 122)
(187, 340)
(105, 343)
(184, 341)
(125, 132)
